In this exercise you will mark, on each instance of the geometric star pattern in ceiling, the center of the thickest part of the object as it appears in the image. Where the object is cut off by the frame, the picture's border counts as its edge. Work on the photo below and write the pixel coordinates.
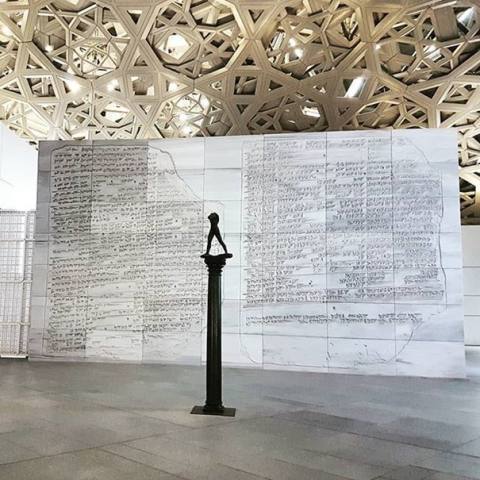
(118, 69)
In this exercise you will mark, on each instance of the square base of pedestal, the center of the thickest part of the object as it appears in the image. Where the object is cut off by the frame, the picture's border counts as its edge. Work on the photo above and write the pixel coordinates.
(225, 412)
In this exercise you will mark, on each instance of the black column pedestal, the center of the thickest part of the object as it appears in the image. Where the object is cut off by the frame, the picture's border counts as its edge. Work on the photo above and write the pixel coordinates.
(213, 404)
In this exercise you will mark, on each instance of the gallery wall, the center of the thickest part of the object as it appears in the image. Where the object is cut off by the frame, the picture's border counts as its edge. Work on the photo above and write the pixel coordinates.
(347, 251)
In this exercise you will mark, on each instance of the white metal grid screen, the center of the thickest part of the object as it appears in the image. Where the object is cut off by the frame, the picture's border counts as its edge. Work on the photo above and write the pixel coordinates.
(16, 246)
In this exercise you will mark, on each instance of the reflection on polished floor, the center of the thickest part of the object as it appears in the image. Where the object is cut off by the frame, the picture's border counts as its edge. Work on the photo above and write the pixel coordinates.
(106, 421)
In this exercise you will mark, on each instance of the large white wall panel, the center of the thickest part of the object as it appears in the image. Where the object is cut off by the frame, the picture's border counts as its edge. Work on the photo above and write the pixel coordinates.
(347, 251)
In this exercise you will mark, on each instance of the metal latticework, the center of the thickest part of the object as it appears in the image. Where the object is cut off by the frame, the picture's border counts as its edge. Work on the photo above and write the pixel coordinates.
(117, 69)
(16, 247)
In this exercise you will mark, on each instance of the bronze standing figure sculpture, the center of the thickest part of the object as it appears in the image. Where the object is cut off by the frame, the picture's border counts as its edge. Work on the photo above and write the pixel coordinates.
(215, 263)
(214, 232)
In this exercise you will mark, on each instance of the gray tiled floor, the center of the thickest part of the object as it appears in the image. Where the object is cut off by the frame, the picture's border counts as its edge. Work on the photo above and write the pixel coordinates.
(104, 421)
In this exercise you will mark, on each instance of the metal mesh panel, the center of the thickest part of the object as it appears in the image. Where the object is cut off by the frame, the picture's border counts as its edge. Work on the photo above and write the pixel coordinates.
(16, 247)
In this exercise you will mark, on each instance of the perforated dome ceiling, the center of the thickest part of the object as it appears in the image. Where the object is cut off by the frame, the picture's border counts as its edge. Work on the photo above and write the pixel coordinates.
(148, 69)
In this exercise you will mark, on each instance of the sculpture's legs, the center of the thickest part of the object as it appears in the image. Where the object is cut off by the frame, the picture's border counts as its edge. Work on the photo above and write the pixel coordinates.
(209, 241)
(221, 242)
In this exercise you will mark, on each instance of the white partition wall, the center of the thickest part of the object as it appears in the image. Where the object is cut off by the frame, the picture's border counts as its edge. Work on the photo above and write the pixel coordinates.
(18, 179)
(471, 274)
(16, 247)
(347, 251)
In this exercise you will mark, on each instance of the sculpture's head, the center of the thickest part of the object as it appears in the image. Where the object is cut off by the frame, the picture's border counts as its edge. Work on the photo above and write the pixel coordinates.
(214, 218)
